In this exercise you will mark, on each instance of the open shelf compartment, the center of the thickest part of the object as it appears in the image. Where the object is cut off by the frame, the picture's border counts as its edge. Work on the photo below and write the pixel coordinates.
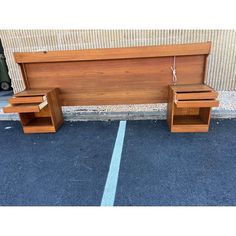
(37, 121)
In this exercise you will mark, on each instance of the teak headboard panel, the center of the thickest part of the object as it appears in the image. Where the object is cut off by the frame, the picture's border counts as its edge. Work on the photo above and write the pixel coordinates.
(134, 75)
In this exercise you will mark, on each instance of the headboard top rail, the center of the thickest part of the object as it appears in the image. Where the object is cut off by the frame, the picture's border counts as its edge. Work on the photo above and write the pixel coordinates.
(114, 53)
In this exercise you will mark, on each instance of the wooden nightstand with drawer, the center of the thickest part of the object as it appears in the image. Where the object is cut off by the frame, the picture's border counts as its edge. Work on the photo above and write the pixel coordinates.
(39, 110)
(189, 107)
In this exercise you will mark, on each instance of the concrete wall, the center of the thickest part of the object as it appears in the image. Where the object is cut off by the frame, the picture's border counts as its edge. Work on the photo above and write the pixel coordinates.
(222, 62)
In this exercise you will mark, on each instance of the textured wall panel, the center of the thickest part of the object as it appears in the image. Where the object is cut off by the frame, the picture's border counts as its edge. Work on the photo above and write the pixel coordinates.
(222, 62)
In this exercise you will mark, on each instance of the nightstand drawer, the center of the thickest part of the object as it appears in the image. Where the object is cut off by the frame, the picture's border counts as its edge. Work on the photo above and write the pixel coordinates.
(25, 108)
(195, 95)
(26, 100)
(196, 103)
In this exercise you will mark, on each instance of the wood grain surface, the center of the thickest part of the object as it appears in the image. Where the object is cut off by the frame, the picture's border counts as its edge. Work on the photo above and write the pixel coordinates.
(114, 53)
(135, 75)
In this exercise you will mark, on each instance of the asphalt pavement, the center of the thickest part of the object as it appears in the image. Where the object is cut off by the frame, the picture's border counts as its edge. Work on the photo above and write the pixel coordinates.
(155, 168)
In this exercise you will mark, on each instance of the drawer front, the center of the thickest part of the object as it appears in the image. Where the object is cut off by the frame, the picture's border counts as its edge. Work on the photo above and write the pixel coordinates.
(33, 92)
(24, 108)
(197, 103)
(26, 100)
(192, 88)
(196, 96)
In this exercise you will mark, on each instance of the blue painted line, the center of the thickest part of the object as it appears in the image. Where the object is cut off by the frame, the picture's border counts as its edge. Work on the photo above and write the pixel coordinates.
(3, 103)
(113, 173)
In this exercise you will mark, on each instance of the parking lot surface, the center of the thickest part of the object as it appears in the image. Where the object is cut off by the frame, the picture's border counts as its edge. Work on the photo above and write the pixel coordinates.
(86, 162)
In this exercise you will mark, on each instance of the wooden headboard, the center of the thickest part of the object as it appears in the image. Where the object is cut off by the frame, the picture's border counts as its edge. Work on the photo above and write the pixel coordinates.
(133, 75)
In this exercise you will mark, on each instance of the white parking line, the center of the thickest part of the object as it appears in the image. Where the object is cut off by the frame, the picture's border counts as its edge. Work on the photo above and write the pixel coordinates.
(113, 173)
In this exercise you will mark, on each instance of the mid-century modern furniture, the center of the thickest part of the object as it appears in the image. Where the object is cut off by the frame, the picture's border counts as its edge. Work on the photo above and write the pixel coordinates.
(189, 107)
(133, 75)
(39, 110)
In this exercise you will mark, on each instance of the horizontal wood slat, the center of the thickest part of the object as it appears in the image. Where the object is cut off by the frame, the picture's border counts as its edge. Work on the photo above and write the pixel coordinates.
(190, 128)
(191, 88)
(193, 96)
(114, 53)
(25, 108)
(32, 92)
(25, 99)
(201, 103)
